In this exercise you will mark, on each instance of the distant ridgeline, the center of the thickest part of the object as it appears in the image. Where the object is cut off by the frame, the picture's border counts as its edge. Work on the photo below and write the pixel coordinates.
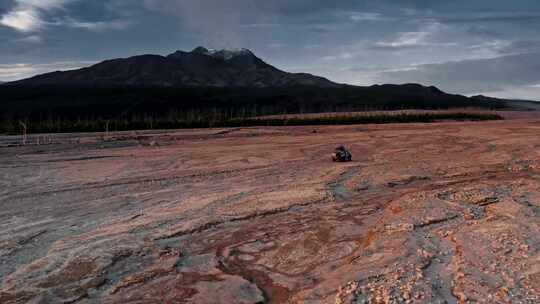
(197, 88)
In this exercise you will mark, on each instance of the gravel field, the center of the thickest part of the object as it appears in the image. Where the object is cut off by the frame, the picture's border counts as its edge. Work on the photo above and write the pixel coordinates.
(425, 213)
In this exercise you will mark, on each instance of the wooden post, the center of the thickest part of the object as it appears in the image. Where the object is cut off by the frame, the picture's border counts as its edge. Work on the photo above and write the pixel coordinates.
(23, 125)
(106, 130)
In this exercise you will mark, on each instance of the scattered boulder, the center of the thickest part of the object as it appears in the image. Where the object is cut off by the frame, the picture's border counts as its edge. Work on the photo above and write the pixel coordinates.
(341, 154)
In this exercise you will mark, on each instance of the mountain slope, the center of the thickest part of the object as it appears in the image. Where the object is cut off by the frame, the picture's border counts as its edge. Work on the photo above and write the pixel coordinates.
(200, 67)
(201, 85)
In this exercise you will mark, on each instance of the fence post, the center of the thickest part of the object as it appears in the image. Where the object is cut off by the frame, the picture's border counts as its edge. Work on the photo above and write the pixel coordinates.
(23, 125)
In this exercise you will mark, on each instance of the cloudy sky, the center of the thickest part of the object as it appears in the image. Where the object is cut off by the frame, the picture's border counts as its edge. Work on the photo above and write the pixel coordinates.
(461, 46)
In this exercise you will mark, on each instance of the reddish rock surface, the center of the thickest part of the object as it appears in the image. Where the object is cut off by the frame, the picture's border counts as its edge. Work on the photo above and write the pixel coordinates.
(425, 213)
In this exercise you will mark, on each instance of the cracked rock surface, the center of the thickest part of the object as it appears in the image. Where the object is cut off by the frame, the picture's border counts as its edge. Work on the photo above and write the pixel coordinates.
(426, 213)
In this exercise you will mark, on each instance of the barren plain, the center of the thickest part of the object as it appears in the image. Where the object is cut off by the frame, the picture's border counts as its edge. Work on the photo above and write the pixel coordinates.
(426, 213)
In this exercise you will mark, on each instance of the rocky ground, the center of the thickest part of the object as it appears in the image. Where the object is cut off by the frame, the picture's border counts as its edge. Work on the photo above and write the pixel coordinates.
(425, 213)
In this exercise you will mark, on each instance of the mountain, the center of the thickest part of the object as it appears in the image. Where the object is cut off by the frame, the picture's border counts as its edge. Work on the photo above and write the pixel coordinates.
(200, 67)
(196, 87)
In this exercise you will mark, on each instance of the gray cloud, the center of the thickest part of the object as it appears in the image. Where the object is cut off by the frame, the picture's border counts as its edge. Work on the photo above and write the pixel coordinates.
(23, 70)
(482, 18)
(425, 37)
(521, 46)
(28, 15)
(33, 16)
(483, 31)
(472, 76)
(219, 22)
(354, 41)
(97, 26)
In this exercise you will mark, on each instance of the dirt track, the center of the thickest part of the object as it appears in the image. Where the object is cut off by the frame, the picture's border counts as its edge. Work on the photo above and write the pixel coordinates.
(426, 213)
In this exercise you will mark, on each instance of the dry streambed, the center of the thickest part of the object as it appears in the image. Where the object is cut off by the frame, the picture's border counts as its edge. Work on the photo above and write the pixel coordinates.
(438, 213)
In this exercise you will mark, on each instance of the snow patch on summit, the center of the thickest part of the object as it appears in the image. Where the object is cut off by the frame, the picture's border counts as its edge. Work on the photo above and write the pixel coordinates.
(225, 54)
